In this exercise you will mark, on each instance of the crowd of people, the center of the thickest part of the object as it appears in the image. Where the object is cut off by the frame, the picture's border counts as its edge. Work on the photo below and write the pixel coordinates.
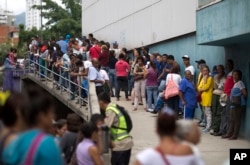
(152, 80)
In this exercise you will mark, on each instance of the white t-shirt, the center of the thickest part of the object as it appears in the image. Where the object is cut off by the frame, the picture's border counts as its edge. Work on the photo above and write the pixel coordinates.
(191, 69)
(87, 64)
(176, 78)
(239, 85)
(93, 74)
(151, 157)
(104, 75)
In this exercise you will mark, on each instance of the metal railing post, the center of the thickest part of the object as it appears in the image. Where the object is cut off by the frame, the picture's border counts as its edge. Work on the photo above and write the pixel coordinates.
(60, 79)
(69, 84)
(45, 72)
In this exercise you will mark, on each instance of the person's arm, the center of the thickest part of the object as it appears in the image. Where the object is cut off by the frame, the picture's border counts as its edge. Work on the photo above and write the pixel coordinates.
(207, 84)
(135, 69)
(145, 73)
(182, 88)
(244, 92)
(95, 155)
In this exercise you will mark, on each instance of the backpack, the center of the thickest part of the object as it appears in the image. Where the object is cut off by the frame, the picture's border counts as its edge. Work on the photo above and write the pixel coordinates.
(127, 118)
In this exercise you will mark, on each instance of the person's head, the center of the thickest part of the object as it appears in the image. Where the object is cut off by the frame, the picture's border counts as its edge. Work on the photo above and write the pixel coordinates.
(115, 44)
(145, 50)
(200, 63)
(188, 75)
(152, 56)
(170, 59)
(70, 51)
(175, 69)
(73, 122)
(136, 52)
(187, 130)
(205, 70)
(159, 58)
(186, 60)
(229, 65)
(104, 100)
(121, 56)
(79, 63)
(124, 51)
(89, 130)
(165, 58)
(41, 108)
(73, 58)
(53, 39)
(166, 122)
(91, 36)
(97, 119)
(140, 60)
(61, 127)
(12, 107)
(237, 75)
(220, 70)
(108, 45)
(95, 62)
(152, 64)
(104, 48)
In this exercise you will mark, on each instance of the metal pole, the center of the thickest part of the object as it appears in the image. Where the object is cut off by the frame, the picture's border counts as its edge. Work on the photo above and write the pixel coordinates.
(41, 29)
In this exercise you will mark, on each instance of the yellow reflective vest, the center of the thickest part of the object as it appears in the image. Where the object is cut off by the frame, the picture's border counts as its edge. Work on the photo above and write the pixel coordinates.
(118, 133)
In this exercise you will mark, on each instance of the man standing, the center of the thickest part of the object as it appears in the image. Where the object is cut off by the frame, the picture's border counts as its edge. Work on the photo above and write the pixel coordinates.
(122, 142)
(122, 69)
(186, 61)
(95, 50)
(63, 44)
(94, 76)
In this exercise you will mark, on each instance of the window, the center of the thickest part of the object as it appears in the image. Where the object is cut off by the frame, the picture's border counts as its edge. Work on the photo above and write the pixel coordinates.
(206, 3)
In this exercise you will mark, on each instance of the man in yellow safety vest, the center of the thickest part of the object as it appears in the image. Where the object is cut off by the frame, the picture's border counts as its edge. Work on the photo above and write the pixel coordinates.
(122, 142)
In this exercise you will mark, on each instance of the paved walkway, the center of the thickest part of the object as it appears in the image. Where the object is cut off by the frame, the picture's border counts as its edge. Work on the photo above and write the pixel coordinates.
(214, 150)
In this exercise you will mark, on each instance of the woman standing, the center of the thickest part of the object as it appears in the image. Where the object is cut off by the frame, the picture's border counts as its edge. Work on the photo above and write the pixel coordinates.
(219, 80)
(139, 72)
(187, 95)
(173, 102)
(151, 84)
(205, 87)
(238, 105)
(112, 72)
(9, 65)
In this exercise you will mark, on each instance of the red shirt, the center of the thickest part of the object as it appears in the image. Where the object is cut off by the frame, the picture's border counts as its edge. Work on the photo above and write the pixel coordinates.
(104, 58)
(122, 68)
(94, 52)
(229, 83)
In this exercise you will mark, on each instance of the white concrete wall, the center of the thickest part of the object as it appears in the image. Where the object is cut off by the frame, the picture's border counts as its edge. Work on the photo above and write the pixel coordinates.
(134, 23)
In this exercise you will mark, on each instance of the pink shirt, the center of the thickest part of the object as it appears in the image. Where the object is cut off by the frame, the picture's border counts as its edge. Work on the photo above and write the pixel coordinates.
(122, 68)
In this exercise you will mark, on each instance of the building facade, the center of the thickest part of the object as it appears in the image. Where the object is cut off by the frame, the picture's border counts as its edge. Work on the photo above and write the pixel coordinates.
(6, 17)
(33, 16)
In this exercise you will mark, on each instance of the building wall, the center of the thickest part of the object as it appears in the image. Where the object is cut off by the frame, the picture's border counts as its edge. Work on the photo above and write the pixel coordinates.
(136, 23)
(33, 18)
(226, 19)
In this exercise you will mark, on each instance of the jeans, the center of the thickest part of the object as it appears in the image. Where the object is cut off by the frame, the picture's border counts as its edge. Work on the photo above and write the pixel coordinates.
(130, 83)
(64, 79)
(140, 89)
(122, 82)
(112, 79)
(120, 157)
(162, 85)
(152, 92)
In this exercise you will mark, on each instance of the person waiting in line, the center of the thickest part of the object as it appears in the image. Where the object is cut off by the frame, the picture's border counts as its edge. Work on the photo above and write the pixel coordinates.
(187, 94)
(69, 138)
(206, 89)
(94, 76)
(219, 80)
(38, 120)
(173, 102)
(189, 133)
(169, 150)
(104, 58)
(140, 84)
(122, 69)
(237, 106)
(61, 128)
(112, 72)
(122, 141)
(151, 85)
(87, 152)
(9, 65)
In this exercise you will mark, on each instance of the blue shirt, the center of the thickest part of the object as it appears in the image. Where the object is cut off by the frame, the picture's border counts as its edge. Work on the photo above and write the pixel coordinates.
(7, 64)
(47, 153)
(63, 45)
(189, 93)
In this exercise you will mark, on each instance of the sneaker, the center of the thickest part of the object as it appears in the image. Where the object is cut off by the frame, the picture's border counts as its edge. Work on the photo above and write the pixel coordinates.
(150, 110)
(211, 131)
(202, 124)
(205, 130)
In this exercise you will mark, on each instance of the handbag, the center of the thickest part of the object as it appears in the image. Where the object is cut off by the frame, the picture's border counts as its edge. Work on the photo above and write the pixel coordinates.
(198, 97)
(171, 89)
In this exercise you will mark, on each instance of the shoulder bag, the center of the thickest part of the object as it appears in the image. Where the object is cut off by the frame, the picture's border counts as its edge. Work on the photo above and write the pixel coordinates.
(171, 89)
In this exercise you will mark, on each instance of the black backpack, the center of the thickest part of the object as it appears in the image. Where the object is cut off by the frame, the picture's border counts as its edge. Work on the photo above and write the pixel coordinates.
(127, 118)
